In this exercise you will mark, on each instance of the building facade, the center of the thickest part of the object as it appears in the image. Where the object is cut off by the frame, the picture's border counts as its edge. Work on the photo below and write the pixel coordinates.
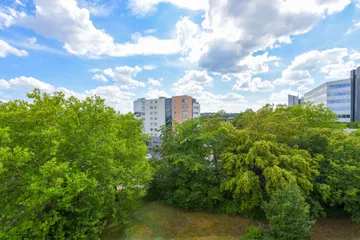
(293, 100)
(335, 95)
(355, 95)
(157, 113)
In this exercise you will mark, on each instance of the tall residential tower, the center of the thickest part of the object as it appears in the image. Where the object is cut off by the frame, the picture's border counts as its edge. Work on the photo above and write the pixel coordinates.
(163, 111)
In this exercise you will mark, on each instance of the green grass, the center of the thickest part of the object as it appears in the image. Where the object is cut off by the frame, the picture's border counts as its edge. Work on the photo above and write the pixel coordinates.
(159, 221)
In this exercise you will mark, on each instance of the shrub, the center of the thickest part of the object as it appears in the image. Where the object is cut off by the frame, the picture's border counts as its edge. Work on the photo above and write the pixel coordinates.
(288, 214)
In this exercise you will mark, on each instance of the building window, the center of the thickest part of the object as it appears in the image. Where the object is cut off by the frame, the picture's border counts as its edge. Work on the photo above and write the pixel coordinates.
(142, 103)
(185, 119)
(151, 107)
(151, 102)
(185, 106)
(155, 113)
(143, 108)
(151, 124)
(338, 101)
(151, 129)
(155, 124)
(155, 107)
(151, 113)
(174, 112)
(184, 100)
(151, 118)
(185, 113)
(339, 86)
(155, 118)
(155, 101)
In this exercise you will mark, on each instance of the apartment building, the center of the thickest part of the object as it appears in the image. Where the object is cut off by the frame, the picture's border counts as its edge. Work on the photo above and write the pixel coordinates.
(341, 96)
(157, 113)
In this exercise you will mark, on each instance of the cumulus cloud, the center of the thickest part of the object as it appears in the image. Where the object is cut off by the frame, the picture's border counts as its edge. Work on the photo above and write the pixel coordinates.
(100, 78)
(331, 62)
(282, 96)
(149, 67)
(156, 93)
(231, 102)
(6, 49)
(239, 28)
(154, 83)
(26, 84)
(141, 7)
(8, 16)
(192, 83)
(253, 85)
(71, 25)
(225, 78)
(124, 75)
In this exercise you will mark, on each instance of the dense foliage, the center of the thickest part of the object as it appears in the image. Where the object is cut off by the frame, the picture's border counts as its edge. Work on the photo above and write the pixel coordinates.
(288, 214)
(234, 167)
(67, 166)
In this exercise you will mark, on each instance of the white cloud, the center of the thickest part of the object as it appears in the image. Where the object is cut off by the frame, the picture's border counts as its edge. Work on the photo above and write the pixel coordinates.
(192, 83)
(18, 2)
(225, 78)
(141, 7)
(8, 15)
(355, 55)
(4, 84)
(231, 102)
(355, 27)
(154, 83)
(100, 78)
(328, 61)
(149, 31)
(98, 8)
(200, 77)
(95, 70)
(32, 40)
(69, 24)
(253, 85)
(35, 46)
(282, 96)
(340, 70)
(26, 84)
(6, 49)
(190, 88)
(238, 28)
(358, 4)
(125, 75)
(156, 93)
(302, 88)
(149, 67)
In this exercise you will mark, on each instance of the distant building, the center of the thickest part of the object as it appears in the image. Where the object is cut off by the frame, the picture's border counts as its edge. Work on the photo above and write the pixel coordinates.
(157, 113)
(341, 96)
(335, 95)
(293, 100)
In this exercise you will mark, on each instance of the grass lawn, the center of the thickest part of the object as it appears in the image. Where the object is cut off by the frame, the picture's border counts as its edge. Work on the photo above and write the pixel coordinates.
(159, 221)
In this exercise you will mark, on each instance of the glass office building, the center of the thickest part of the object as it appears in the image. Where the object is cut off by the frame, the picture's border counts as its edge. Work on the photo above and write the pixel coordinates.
(336, 95)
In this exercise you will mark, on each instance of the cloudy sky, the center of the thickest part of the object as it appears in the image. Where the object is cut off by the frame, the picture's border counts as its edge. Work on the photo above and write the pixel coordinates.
(229, 54)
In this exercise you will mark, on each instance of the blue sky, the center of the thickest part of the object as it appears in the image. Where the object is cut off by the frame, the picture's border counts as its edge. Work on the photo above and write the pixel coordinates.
(229, 54)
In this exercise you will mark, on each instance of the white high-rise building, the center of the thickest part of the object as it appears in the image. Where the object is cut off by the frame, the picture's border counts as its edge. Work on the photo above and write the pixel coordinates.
(157, 113)
(152, 111)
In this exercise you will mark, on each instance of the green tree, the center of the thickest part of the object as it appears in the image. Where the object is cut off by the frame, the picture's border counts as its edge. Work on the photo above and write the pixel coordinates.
(256, 169)
(288, 214)
(67, 167)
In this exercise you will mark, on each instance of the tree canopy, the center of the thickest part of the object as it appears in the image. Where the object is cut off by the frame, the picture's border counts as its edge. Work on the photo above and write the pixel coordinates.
(67, 167)
(214, 165)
